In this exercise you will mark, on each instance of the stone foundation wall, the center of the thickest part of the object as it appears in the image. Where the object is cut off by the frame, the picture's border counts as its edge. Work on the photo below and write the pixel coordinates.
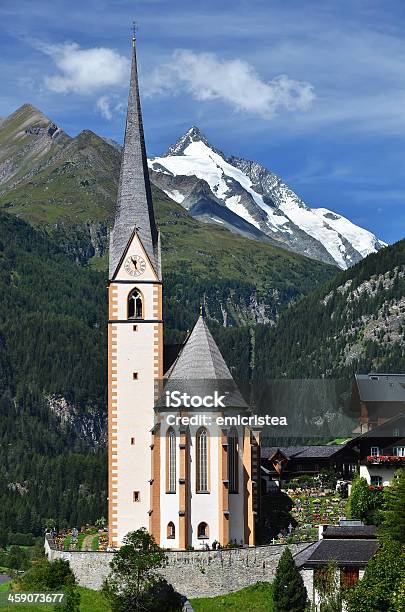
(192, 573)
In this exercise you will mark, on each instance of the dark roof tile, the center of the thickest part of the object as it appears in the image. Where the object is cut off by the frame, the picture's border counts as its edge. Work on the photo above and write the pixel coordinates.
(344, 552)
(300, 452)
(352, 531)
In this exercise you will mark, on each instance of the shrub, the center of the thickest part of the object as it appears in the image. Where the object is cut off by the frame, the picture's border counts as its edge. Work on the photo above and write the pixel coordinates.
(47, 576)
(290, 594)
(363, 502)
(17, 558)
(21, 539)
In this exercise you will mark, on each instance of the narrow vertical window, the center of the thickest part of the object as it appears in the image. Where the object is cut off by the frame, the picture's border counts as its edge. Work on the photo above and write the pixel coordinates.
(233, 463)
(171, 531)
(202, 461)
(171, 460)
(135, 305)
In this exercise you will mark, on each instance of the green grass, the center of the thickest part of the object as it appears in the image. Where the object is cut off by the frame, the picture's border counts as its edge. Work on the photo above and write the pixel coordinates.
(80, 540)
(339, 441)
(67, 542)
(95, 543)
(256, 598)
(90, 601)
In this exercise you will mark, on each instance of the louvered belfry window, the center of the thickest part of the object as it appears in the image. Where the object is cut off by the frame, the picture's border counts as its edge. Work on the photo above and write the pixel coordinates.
(135, 305)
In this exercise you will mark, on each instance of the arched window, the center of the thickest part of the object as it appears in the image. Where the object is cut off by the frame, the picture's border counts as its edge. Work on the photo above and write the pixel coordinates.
(171, 460)
(171, 531)
(233, 463)
(135, 305)
(202, 461)
(203, 531)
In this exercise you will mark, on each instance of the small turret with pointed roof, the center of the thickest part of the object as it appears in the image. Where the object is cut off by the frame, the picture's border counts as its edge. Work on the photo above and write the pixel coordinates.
(134, 209)
(201, 365)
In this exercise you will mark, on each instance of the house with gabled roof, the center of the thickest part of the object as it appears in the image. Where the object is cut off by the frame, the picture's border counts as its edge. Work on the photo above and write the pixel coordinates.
(377, 398)
(349, 547)
(288, 462)
(381, 451)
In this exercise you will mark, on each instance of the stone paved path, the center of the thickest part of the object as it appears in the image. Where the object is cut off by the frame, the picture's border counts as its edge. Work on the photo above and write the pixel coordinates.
(87, 541)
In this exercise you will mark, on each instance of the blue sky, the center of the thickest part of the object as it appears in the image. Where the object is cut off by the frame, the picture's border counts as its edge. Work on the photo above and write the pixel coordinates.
(314, 89)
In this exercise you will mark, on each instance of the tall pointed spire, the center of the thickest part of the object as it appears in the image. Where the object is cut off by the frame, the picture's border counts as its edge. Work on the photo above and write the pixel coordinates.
(134, 210)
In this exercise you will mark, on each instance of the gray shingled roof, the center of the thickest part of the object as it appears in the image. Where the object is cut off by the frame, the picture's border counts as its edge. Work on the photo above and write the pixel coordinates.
(200, 358)
(350, 531)
(301, 557)
(381, 387)
(200, 366)
(134, 207)
(343, 552)
(384, 430)
(300, 452)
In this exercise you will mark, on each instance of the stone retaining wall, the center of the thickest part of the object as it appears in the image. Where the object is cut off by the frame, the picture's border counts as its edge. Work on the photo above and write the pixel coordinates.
(192, 573)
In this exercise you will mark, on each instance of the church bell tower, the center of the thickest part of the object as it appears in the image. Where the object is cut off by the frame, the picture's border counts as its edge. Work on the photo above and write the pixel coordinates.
(135, 337)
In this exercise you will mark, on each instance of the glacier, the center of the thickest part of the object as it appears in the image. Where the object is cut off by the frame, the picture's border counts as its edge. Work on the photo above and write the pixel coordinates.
(206, 182)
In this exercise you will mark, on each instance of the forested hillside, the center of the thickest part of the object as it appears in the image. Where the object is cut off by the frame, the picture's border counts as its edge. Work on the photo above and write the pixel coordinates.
(355, 323)
(52, 383)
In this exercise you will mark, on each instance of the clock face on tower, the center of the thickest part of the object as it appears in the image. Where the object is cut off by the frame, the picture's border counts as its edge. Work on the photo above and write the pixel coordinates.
(135, 265)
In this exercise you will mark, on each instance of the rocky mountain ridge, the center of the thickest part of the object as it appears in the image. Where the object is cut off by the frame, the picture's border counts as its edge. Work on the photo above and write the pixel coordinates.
(355, 323)
(249, 199)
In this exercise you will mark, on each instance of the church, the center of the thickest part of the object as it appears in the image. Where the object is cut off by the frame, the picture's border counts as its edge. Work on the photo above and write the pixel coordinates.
(190, 486)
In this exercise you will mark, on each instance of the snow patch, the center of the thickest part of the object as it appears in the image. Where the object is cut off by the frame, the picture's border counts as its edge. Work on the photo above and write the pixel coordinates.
(344, 241)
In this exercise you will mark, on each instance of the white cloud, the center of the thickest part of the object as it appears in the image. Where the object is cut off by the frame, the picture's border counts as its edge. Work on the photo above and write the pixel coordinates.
(207, 77)
(104, 106)
(84, 71)
(108, 106)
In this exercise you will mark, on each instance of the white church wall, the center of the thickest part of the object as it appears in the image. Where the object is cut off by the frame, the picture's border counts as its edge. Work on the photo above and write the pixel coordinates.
(123, 290)
(134, 420)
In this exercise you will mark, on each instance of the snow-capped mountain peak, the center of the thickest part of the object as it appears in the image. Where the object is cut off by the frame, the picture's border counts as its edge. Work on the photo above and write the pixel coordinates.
(249, 199)
(194, 134)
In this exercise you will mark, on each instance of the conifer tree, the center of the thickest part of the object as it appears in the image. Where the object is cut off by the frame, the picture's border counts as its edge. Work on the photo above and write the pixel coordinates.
(393, 514)
(290, 594)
